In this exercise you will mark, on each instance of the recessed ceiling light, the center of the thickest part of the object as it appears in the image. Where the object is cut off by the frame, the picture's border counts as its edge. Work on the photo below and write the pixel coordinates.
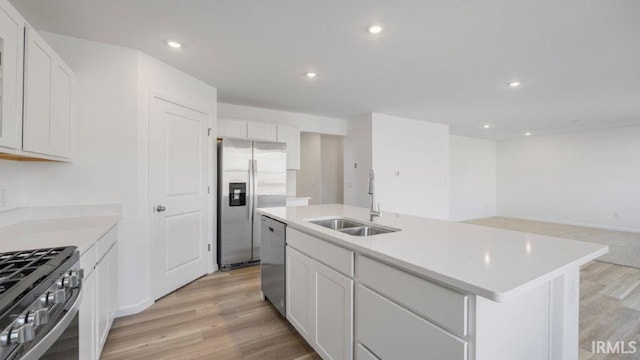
(375, 29)
(527, 134)
(311, 75)
(174, 44)
(514, 84)
(486, 126)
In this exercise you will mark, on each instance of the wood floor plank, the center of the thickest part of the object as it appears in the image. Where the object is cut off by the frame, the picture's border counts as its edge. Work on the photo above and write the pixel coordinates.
(219, 316)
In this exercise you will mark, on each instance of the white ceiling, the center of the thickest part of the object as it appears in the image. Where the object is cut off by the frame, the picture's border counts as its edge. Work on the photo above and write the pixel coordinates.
(444, 61)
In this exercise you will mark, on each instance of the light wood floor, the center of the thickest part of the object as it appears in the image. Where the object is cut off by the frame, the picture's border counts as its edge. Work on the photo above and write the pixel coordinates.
(221, 316)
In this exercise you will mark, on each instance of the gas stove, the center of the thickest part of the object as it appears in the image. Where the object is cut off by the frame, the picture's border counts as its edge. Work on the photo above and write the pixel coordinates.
(39, 295)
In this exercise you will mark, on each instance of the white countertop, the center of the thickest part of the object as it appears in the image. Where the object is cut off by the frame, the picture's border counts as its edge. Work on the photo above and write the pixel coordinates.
(493, 263)
(41, 227)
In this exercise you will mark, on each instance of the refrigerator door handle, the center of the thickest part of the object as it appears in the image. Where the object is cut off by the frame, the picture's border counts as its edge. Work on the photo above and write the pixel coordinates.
(254, 182)
(250, 193)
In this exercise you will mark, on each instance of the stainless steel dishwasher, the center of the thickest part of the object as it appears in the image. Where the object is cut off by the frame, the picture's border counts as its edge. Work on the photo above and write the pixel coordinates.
(272, 262)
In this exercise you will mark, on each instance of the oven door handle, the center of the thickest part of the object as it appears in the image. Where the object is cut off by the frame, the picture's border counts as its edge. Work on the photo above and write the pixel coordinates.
(54, 334)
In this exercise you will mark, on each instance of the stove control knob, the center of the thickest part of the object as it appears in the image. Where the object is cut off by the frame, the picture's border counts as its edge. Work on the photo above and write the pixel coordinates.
(79, 273)
(35, 318)
(38, 317)
(69, 281)
(22, 334)
(54, 297)
(73, 281)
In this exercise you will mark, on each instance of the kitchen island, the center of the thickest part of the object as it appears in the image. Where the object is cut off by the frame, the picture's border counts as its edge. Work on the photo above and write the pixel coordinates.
(434, 289)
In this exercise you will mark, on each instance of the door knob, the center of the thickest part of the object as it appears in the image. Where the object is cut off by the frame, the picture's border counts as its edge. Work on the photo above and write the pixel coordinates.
(160, 208)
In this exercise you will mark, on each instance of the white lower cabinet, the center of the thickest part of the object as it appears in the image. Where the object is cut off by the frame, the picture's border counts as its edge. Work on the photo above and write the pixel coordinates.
(87, 320)
(364, 354)
(392, 332)
(99, 294)
(105, 305)
(299, 285)
(320, 305)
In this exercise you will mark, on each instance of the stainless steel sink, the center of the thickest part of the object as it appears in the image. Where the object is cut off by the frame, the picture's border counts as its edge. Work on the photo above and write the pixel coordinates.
(353, 227)
(366, 231)
(336, 224)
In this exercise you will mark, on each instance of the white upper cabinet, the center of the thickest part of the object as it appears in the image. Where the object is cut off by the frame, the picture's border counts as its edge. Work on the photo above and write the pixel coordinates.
(11, 60)
(247, 130)
(291, 136)
(232, 128)
(47, 99)
(261, 131)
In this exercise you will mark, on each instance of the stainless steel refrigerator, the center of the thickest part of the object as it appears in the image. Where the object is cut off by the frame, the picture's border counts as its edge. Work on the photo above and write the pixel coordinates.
(251, 175)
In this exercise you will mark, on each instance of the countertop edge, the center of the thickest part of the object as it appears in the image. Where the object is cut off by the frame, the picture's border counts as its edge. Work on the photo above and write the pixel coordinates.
(497, 296)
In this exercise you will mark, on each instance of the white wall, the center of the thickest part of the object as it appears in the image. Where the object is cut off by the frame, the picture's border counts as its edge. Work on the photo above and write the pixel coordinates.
(321, 171)
(309, 181)
(110, 147)
(10, 185)
(305, 122)
(580, 178)
(419, 152)
(357, 161)
(472, 177)
(332, 178)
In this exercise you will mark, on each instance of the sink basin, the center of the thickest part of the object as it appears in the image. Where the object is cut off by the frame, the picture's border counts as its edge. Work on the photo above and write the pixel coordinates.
(353, 227)
(366, 231)
(336, 224)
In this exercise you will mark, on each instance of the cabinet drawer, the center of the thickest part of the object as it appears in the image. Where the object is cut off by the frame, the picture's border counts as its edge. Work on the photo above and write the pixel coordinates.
(88, 260)
(364, 354)
(442, 305)
(392, 332)
(105, 242)
(331, 255)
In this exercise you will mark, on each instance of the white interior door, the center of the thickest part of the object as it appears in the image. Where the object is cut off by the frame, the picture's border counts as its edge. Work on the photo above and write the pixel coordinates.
(180, 225)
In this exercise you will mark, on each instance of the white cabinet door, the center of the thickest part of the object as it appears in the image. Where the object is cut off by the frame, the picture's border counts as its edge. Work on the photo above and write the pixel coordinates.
(59, 139)
(47, 99)
(87, 318)
(11, 52)
(333, 335)
(261, 131)
(300, 292)
(104, 307)
(291, 136)
(113, 283)
(232, 128)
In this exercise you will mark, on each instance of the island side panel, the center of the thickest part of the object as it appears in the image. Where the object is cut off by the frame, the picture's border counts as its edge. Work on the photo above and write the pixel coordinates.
(565, 323)
(517, 329)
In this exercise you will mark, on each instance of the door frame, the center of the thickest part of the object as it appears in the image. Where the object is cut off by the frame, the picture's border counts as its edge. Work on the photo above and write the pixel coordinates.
(211, 180)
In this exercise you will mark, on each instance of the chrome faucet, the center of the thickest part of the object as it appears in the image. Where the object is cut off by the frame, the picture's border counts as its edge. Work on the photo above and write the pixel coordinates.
(373, 212)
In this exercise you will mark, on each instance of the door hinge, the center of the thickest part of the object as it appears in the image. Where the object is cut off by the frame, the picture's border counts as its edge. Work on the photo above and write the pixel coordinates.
(209, 247)
(209, 131)
(208, 189)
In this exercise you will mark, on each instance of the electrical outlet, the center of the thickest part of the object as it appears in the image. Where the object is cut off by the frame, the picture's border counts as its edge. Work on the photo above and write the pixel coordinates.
(616, 215)
(355, 165)
(397, 173)
(3, 198)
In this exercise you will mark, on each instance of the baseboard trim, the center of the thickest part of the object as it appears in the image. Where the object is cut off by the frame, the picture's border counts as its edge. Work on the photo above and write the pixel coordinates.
(573, 223)
(134, 308)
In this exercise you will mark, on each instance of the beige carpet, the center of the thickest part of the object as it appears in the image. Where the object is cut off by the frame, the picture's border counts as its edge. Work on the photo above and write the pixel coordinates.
(624, 247)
